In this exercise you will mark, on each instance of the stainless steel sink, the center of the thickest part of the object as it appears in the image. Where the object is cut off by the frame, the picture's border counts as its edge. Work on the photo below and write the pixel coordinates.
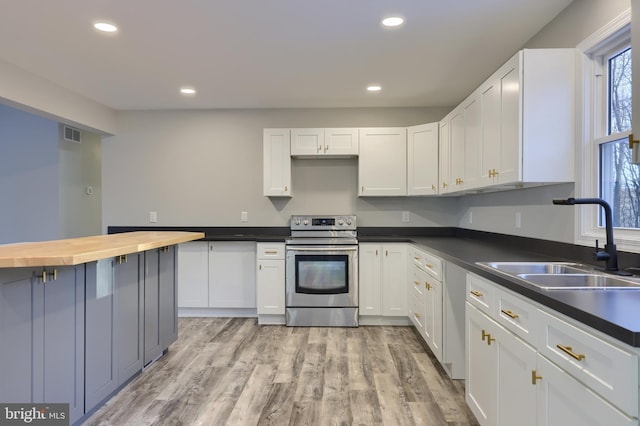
(578, 281)
(517, 268)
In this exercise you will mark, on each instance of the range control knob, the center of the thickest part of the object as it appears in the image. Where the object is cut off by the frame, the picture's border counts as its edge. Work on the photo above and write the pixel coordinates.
(340, 222)
(306, 222)
(297, 221)
(349, 222)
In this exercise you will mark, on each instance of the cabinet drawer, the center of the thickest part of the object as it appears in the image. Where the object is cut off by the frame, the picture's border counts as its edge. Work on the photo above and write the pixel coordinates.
(516, 315)
(431, 264)
(270, 251)
(607, 369)
(480, 293)
(417, 313)
(419, 282)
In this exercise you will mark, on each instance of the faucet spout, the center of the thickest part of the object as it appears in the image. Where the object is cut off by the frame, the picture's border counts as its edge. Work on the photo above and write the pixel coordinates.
(610, 254)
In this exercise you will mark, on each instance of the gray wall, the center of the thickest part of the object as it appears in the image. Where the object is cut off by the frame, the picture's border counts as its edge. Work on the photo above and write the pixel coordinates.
(80, 167)
(28, 177)
(496, 212)
(202, 168)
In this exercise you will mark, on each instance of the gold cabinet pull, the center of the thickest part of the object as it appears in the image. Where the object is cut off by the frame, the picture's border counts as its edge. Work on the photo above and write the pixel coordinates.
(44, 276)
(376, 252)
(490, 339)
(535, 377)
(631, 141)
(362, 189)
(319, 148)
(286, 188)
(510, 314)
(569, 351)
(125, 258)
(429, 265)
(417, 315)
(476, 293)
(416, 282)
(444, 184)
(260, 267)
(386, 252)
(416, 257)
(54, 274)
(485, 335)
(429, 286)
(271, 252)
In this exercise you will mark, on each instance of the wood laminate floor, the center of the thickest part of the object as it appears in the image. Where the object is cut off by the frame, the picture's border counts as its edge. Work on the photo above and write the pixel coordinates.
(232, 371)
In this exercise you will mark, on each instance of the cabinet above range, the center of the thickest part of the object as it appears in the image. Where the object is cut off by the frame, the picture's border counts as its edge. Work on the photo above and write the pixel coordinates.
(335, 142)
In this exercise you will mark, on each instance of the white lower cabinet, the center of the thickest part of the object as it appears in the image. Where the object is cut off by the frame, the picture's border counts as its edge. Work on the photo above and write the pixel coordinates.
(270, 299)
(217, 275)
(382, 279)
(517, 373)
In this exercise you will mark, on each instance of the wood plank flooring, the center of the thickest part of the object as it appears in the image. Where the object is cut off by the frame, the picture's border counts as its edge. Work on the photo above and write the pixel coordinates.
(233, 371)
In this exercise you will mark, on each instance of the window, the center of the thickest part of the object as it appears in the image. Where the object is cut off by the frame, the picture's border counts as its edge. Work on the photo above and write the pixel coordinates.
(604, 160)
(619, 181)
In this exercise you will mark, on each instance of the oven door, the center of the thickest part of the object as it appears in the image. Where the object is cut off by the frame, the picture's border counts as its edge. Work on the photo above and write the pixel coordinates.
(321, 276)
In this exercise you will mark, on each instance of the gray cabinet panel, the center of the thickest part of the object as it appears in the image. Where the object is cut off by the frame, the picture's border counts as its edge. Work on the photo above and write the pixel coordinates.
(42, 335)
(129, 320)
(168, 296)
(64, 339)
(16, 335)
(100, 348)
(152, 343)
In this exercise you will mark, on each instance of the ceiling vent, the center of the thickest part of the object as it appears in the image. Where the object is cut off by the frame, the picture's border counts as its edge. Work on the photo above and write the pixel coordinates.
(71, 134)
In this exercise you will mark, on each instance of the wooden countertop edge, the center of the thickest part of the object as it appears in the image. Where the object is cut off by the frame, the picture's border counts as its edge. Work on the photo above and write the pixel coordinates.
(75, 251)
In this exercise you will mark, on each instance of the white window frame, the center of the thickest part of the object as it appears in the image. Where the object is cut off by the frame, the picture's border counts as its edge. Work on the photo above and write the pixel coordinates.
(590, 128)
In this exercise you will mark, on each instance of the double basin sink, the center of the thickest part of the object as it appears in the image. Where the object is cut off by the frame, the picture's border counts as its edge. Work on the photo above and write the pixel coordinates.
(561, 275)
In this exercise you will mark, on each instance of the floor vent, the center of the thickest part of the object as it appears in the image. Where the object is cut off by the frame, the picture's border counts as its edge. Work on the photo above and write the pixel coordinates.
(71, 134)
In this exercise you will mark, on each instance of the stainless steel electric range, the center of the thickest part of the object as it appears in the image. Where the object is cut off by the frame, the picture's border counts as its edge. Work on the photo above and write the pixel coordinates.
(321, 272)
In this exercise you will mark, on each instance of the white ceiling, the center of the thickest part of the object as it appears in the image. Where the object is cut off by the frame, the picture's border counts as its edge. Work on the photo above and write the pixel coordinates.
(268, 53)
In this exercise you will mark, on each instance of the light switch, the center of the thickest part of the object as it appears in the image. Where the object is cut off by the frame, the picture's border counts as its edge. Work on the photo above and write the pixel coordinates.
(405, 216)
(244, 216)
(153, 217)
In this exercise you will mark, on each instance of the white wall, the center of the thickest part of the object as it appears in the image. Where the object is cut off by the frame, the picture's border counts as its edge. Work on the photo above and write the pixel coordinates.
(28, 177)
(80, 167)
(202, 168)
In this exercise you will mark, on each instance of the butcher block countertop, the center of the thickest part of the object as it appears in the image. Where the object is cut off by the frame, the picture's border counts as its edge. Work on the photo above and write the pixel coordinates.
(75, 251)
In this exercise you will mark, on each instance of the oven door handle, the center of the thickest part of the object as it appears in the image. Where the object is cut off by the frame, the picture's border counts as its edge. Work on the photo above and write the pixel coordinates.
(335, 248)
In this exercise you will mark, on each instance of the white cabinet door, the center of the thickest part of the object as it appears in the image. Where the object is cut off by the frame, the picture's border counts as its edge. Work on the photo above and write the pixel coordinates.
(472, 114)
(481, 387)
(341, 141)
(270, 287)
(193, 274)
(370, 279)
(516, 392)
(456, 153)
(232, 275)
(562, 400)
(510, 169)
(394, 280)
(276, 162)
(382, 164)
(307, 142)
(422, 159)
(490, 135)
(433, 315)
(444, 156)
(270, 297)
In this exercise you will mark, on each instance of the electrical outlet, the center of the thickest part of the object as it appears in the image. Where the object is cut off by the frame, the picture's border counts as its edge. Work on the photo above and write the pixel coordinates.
(244, 216)
(405, 217)
(153, 217)
(518, 220)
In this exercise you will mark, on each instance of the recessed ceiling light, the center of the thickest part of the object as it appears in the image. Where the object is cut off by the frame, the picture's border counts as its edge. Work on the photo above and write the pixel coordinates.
(392, 21)
(188, 91)
(105, 27)
(374, 88)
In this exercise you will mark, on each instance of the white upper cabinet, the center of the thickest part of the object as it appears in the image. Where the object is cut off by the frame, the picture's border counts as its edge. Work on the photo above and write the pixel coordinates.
(422, 159)
(528, 119)
(324, 142)
(472, 114)
(382, 165)
(307, 142)
(276, 162)
(444, 156)
(341, 141)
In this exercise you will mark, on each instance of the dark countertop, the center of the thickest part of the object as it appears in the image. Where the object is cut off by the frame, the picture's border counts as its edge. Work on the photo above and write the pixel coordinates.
(613, 312)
